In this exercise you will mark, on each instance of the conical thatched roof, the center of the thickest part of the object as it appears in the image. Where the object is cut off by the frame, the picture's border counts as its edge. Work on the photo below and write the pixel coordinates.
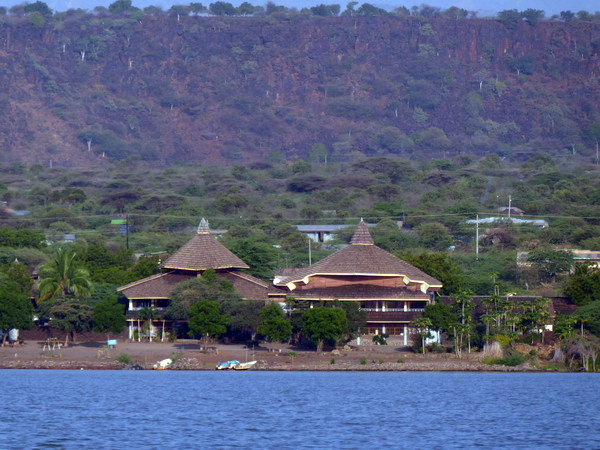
(203, 252)
(362, 257)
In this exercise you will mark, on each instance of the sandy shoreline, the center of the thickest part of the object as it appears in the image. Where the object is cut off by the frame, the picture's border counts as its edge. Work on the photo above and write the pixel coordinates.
(188, 355)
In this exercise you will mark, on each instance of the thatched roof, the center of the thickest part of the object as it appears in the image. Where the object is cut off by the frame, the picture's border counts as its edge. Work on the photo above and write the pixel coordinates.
(362, 257)
(203, 252)
(154, 287)
(161, 286)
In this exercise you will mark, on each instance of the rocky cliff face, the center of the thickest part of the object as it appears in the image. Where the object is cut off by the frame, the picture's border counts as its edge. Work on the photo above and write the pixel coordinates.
(82, 89)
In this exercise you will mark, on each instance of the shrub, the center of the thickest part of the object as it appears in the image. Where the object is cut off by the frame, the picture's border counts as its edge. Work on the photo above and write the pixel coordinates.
(511, 358)
(363, 361)
(125, 358)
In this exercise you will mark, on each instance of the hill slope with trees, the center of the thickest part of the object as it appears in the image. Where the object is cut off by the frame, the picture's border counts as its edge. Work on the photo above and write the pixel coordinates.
(78, 88)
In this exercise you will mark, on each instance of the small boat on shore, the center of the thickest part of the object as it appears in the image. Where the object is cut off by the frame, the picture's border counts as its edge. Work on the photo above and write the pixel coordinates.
(234, 365)
(245, 366)
(163, 365)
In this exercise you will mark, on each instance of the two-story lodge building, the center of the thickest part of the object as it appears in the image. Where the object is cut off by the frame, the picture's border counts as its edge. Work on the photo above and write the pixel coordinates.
(392, 291)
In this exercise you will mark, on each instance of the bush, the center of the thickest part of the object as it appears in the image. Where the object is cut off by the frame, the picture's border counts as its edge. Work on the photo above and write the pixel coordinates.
(512, 358)
(125, 358)
(363, 361)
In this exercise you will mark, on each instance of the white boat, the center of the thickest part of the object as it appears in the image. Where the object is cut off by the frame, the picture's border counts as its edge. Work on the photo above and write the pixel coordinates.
(234, 365)
(162, 365)
(244, 366)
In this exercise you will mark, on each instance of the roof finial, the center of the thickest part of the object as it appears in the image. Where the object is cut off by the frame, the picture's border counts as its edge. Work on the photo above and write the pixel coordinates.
(362, 235)
(203, 228)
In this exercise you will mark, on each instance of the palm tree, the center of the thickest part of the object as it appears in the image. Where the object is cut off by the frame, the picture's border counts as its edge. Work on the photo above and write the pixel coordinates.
(64, 276)
(423, 324)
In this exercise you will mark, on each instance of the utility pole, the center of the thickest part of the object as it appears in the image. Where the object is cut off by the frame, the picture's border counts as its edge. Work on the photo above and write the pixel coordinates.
(477, 237)
(309, 252)
(127, 231)
(509, 205)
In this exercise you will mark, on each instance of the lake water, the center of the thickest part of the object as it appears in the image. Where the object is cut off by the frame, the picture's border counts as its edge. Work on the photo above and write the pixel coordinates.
(119, 409)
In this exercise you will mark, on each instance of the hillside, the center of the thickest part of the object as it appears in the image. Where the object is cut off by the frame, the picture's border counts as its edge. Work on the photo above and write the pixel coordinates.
(77, 88)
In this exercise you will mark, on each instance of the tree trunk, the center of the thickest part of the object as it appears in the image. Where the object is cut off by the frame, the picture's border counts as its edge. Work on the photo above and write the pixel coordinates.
(4, 339)
(162, 335)
(67, 339)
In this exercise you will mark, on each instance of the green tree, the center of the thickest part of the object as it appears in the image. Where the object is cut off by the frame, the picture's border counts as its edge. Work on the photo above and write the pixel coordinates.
(318, 154)
(441, 317)
(356, 318)
(583, 285)
(274, 326)
(18, 273)
(36, 19)
(535, 316)
(222, 9)
(549, 262)
(206, 320)
(64, 276)
(442, 267)
(325, 10)
(70, 316)
(39, 7)
(533, 16)
(259, 255)
(145, 266)
(324, 325)
(21, 238)
(208, 287)
(563, 326)
(108, 316)
(423, 324)
(16, 310)
(245, 318)
(567, 16)
(120, 7)
(588, 317)
(463, 307)
(510, 18)
(434, 235)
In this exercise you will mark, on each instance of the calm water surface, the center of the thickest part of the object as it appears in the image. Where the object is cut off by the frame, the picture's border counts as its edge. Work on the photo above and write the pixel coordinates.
(120, 409)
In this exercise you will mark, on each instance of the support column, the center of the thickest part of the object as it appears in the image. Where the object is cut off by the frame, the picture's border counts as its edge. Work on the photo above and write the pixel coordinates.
(383, 305)
(405, 337)
(383, 329)
(405, 306)
(130, 329)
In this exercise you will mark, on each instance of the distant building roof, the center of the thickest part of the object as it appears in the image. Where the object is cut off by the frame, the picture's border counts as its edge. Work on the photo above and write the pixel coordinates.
(320, 228)
(512, 209)
(203, 252)
(515, 220)
(586, 255)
